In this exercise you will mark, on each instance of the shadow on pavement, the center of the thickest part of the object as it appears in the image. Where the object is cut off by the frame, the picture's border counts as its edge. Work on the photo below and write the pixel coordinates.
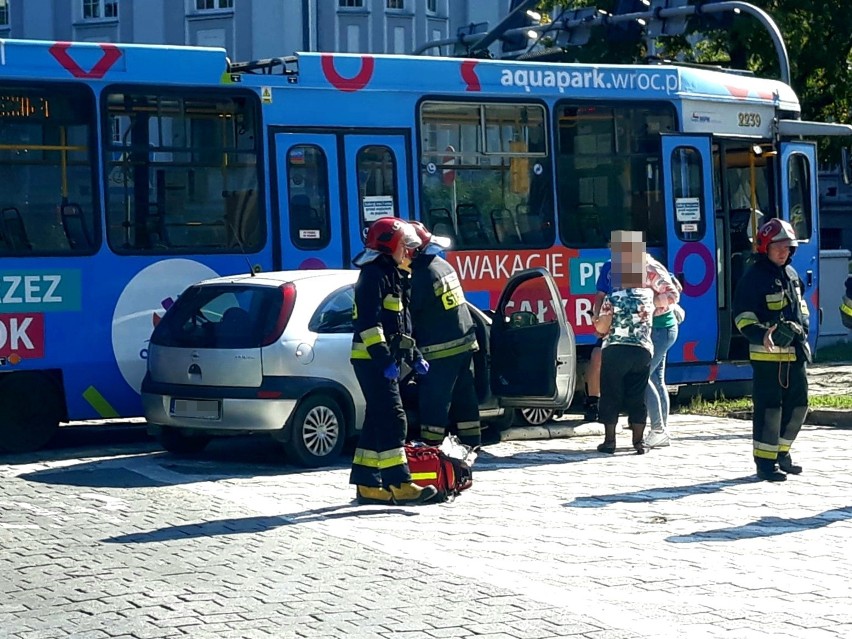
(120, 473)
(253, 524)
(73, 442)
(766, 527)
(659, 494)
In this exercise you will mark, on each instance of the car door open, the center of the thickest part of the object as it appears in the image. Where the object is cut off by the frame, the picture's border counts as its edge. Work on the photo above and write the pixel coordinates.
(533, 355)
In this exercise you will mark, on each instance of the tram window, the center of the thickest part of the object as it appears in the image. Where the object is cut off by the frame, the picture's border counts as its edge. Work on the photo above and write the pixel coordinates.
(375, 169)
(799, 195)
(182, 172)
(486, 175)
(307, 186)
(688, 193)
(48, 170)
(608, 164)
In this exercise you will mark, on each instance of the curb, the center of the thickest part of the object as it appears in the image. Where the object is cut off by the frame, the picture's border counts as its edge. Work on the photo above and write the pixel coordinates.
(555, 430)
(816, 417)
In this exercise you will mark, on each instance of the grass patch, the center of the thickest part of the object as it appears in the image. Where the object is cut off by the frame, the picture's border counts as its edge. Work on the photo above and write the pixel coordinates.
(840, 352)
(723, 407)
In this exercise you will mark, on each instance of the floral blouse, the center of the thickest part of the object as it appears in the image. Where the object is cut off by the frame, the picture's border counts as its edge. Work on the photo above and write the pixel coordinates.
(632, 310)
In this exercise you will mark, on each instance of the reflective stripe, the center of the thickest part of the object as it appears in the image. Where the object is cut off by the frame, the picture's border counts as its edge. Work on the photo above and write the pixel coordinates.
(784, 445)
(780, 354)
(846, 306)
(745, 319)
(364, 457)
(374, 335)
(776, 301)
(773, 357)
(446, 283)
(391, 458)
(359, 351)
(459, 345)
(392, 303)
(765, 454)
(469, 428)
(422, 476)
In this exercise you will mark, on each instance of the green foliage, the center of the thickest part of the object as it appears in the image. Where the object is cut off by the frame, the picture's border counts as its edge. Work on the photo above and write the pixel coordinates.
(817, 33)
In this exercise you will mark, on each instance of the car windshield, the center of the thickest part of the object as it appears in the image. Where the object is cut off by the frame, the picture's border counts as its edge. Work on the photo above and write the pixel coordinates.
(220, 316)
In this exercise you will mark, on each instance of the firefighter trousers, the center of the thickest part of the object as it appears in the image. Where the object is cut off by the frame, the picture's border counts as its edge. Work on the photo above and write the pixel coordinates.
(780, 396)
(448, 392)
(379, 459)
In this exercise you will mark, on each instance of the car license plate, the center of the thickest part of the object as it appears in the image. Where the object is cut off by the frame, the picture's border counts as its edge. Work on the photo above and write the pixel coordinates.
(197, 408)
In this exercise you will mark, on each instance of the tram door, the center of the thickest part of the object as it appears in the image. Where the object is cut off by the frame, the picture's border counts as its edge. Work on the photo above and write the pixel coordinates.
(693, 251)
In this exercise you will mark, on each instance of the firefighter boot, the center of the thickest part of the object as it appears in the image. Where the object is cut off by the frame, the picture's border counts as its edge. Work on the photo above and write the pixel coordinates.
(590, 409)
(767, 470)
(373, 495)
(785, 463)
(410, 494)
(608, 445)
(638, 441)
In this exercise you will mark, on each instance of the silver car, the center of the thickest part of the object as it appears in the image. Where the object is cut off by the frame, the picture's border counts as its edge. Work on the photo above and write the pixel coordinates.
(270, 353)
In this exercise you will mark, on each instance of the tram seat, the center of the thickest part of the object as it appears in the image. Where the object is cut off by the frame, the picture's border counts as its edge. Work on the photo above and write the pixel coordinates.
(13, 230)
(303, 216)
(75, 227)
(471, 229)
(440, 223)
(505, 227)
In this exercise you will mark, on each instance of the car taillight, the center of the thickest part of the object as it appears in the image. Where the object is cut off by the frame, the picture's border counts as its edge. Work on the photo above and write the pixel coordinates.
(288, 295)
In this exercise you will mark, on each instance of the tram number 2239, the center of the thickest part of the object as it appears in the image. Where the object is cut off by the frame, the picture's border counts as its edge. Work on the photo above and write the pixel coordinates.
(748, 119)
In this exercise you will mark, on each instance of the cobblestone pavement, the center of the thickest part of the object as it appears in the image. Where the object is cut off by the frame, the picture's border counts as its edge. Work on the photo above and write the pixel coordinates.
(553, 540)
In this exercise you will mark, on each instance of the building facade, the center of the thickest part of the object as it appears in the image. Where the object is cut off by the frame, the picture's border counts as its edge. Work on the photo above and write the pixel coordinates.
(252, 29)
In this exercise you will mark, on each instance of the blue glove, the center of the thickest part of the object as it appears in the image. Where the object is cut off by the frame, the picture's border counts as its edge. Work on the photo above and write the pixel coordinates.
(421, 366)
(392, 371)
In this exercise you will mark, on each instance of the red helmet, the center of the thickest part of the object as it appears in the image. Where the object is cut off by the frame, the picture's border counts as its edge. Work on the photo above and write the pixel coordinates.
(422, 232)
(775, 230)
(386, 233)
(427, 237)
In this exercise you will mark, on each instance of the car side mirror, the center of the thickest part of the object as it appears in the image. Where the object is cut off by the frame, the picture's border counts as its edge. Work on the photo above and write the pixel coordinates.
(519, 319)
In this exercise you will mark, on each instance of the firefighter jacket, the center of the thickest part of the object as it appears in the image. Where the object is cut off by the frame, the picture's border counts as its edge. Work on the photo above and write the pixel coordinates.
(768, 295)
(846, 304)
(442, 323)
(382, 324)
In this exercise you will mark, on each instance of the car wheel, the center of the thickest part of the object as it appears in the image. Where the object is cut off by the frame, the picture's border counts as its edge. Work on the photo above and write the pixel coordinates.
(317, 431)
(535, 416)
(178, 442)
(30, 410)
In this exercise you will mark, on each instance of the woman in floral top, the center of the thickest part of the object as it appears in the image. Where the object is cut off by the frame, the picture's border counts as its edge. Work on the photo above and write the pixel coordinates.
(625, 318)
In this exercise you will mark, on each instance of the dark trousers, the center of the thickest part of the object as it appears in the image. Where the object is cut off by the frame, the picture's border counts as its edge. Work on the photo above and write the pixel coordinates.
(380, 456)
(780, 396)
(624, 377)
(448, 392)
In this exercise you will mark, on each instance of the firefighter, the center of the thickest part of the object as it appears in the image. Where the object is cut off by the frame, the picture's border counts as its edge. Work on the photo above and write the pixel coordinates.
(446, 335)
(846, 304)
(770, 311)
(380, 342)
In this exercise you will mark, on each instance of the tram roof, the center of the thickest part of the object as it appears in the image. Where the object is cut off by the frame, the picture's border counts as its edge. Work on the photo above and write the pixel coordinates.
(167, 64)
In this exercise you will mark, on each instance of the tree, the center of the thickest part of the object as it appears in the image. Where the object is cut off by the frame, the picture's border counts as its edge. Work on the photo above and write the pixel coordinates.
(817, 33)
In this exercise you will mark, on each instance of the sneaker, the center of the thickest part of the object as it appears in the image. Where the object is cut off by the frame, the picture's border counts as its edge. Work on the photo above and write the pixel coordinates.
(657, 439)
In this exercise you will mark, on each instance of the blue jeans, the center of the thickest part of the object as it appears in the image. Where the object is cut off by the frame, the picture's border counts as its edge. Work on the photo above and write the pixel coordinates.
(656, 393)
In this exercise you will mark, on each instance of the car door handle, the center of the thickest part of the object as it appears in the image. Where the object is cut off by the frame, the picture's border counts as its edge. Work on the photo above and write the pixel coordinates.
(809, 278)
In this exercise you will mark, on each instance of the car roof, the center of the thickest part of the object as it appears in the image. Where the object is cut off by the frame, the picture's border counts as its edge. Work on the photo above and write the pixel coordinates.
(277, 278)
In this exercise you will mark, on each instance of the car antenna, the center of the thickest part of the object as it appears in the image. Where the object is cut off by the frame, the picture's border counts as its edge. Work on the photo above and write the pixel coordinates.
(233, 230)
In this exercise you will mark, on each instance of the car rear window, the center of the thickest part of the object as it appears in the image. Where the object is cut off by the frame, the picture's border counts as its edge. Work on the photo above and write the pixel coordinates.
(224, 316)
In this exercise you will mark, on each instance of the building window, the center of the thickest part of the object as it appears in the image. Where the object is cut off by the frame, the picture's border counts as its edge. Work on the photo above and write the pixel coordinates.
(97, 9)
(348, 4)
(212, 5)
(432, 6)
(396, 4)
(4, 13)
